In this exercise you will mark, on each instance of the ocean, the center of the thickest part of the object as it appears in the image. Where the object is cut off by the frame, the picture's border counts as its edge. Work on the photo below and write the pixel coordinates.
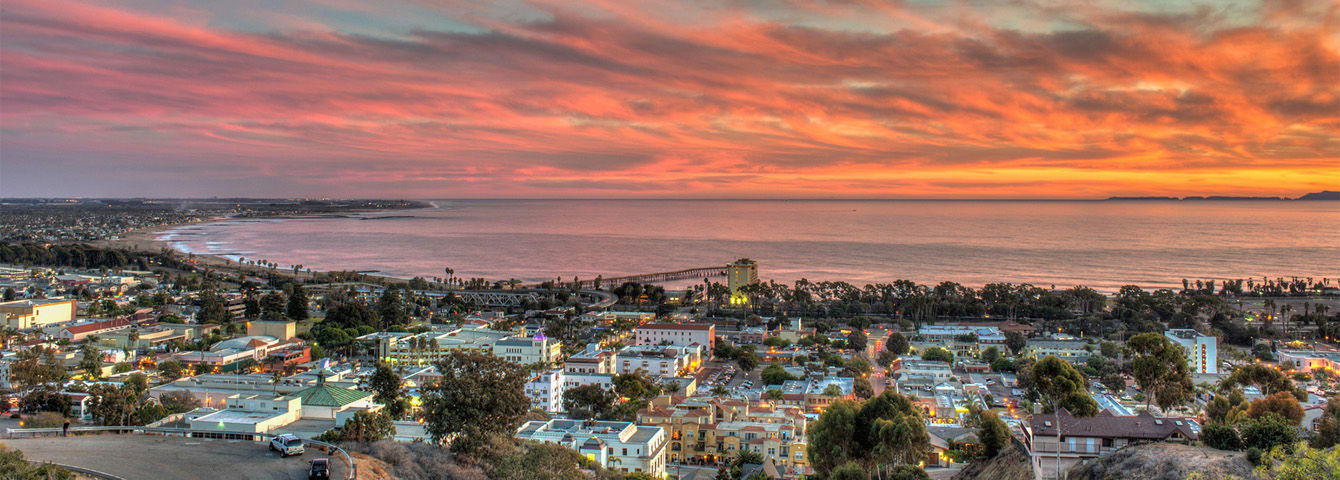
(1100, 244)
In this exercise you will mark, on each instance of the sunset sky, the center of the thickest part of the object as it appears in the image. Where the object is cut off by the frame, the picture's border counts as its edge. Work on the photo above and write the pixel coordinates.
(679, 98)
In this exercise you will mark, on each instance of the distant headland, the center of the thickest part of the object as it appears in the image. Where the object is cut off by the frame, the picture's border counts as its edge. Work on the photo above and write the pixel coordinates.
(1322, 195)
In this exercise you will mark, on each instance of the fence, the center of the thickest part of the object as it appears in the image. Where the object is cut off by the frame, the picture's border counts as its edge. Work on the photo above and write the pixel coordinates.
(185, 432)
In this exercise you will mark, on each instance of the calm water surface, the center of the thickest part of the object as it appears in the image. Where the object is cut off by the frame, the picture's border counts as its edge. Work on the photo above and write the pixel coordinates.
(1099, 244)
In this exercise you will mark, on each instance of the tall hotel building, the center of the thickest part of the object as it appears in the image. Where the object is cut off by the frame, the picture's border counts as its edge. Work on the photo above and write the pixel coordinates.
(1202, 351)
(738, 274)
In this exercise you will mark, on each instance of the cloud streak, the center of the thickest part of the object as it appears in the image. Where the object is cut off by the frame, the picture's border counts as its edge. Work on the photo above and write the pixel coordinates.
(629, 98)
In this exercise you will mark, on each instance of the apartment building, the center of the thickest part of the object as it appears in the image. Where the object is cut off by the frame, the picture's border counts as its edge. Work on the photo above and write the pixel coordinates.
(679, 334)
(37, 313)
(1202, 351)
(707, 429)
(659, 360)
(621, 446)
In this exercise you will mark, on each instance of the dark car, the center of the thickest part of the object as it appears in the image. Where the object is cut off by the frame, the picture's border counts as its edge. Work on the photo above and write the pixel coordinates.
(320, 469)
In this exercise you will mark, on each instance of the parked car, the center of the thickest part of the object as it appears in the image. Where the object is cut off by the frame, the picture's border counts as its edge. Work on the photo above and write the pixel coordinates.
(320, 469)
(287, 444)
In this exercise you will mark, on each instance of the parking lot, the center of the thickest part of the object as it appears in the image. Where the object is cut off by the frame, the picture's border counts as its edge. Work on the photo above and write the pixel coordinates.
(155, 457)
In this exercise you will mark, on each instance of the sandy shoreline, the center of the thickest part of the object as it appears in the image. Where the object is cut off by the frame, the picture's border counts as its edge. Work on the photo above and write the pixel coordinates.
(147, 240)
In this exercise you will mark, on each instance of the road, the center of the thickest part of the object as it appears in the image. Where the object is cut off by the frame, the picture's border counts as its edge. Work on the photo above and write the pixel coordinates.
(149, 457)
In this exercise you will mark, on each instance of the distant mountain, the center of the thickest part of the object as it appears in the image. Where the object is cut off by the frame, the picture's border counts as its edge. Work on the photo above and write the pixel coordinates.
(1322, 195)
(1227, 197)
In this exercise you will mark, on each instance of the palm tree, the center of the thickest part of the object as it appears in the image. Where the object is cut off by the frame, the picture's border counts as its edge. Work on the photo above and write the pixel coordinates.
(275, 377)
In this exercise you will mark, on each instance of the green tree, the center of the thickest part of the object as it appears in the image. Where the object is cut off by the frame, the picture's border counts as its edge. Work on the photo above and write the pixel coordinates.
(885, 430)
(937, 354)
(297, 304)
(897, 344)
(1223, 437)
(1057, 385)
(1328, 429)
(857, 341)
(367, 427)
(831, 443)
(1269, 380)
(478, 394)
(1016, 341)
(1160, 368)
(272, 306)
(391, 308)
(849, 471)
(91, 361)
(993, 433)
(212, 309)
(387, 385)
(170, 369)
(1300, 463)
(36, 366)
(1268, 432)
(775, 374)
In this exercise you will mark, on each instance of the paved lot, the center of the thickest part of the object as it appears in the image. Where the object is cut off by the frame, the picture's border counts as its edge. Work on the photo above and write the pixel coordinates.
(148, 457)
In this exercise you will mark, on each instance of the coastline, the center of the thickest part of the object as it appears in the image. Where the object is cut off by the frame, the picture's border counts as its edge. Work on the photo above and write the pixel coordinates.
(147, 239)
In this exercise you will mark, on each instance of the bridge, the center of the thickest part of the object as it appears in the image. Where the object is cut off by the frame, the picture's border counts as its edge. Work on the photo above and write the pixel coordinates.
(659, 277)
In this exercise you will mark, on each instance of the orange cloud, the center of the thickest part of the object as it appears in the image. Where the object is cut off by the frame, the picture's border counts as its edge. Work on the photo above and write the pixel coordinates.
(620, 98)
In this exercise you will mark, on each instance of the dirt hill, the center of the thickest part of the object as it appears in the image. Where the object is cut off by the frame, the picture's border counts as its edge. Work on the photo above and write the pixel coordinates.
(1013, 464)
(1164, 461)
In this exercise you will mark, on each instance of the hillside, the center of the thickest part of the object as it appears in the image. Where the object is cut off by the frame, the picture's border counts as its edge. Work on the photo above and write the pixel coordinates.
(1164, 461)
(1013, 464)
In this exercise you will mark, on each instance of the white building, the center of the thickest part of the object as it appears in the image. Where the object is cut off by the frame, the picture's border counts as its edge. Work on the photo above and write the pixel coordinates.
(947, 333)
(681, 334)
(1308, 360)
(249, 414)
(528, 350)
(546, 391)
(1202, 351)
(593, 359)
(659, 360)
(621, 446)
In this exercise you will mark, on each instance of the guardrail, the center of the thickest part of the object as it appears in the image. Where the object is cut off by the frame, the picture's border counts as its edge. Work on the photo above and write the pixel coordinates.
(185, 432)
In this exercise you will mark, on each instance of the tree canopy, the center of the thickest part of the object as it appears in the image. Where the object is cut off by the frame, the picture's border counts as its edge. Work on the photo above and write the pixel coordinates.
(1160, 368)
(479, 394)
(887, 429)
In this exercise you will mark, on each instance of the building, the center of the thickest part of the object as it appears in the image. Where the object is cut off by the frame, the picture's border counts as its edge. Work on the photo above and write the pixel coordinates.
(248, 413)
(29, 314)
(1083, 438)
(680, 334)
(1073, 351)
(324, 401)
(1308, 360)
(621, 446)
(429, 347)
(659, 360)
(545, 391)
(230, 355)
(707, 430)
(949, 333)
(1202, 351)
(264, 328)
(528, 350)
(144, 338)
(593, 359)
(80, 332)
(740, 273)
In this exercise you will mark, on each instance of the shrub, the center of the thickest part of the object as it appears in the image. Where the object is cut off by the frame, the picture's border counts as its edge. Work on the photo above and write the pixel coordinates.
(1222, 437)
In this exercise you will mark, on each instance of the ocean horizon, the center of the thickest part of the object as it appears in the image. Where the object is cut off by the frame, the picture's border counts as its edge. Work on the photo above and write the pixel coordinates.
(1102, 244)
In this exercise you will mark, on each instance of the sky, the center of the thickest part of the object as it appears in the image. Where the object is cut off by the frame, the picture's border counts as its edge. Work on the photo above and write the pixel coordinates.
(677, 98)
